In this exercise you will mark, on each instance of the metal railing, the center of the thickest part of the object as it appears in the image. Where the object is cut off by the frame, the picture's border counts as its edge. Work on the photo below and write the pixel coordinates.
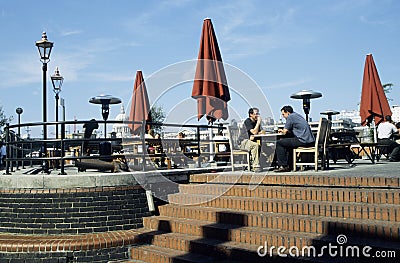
(20, 151)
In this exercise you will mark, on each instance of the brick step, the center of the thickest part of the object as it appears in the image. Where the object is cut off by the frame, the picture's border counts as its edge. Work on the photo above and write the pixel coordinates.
(298, 227)
(272, 237)
(292, 222)
(222, 250)
(298, 179)
(383, 212)
(186, 242)
(235, 250)
(357, 195)
(152, 254)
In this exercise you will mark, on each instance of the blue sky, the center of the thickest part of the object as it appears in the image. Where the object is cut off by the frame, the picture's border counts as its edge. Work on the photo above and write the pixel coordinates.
(284, 46)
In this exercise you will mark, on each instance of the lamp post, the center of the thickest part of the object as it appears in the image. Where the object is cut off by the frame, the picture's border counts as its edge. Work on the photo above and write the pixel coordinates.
(62, 104)
(57, 81)
(44, 47)
(19, 111)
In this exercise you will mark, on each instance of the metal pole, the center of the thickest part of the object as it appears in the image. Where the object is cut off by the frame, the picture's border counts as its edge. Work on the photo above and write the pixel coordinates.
(19, 128)
(44, 164)
(105, 129)
(7, 131)
(19, 136)
(57, 97)
(62, 149)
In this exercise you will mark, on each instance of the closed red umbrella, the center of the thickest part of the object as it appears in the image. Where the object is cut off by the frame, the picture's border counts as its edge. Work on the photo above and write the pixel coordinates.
(140, 106)
(210, 86)
(374, 104)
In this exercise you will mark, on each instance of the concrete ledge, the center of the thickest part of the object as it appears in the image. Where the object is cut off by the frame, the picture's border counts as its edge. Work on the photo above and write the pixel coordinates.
(92, 179)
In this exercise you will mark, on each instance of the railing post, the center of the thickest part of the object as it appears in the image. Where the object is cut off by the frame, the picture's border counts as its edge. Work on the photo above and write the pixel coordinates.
(144, 150)
(62, 146)
(30, 154)
(23, 155)
(198, 147)
(7, 131)
(16, 152)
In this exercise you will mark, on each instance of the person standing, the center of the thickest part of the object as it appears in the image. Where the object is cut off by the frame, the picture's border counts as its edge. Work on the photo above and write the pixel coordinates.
(300, 136)
(398, 131)
(252, 126)
(88, 130)
(385, 131)
(3, 154)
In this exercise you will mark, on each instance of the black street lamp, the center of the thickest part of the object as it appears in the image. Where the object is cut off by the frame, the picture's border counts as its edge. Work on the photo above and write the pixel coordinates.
(44, 46)
(57, 81)
(19, 111)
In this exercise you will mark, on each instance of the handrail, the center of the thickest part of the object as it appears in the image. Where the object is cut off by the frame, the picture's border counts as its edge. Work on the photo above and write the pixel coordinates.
(18, 147)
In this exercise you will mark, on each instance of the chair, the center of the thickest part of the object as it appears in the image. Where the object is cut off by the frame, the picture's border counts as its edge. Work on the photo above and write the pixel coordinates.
(345, 146)
(233, 136)
(319, 149)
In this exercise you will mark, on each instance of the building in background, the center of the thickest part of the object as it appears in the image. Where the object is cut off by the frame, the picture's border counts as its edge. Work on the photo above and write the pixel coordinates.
(122, 130)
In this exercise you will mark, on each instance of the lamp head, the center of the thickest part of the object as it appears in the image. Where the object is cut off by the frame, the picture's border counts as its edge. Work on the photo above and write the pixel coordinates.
(44, 46)
(57, 81)
(19, 110)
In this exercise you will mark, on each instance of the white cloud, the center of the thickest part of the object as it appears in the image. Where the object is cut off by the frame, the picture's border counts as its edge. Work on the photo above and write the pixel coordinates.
(289, 84)
(71, 32)
(368, 21)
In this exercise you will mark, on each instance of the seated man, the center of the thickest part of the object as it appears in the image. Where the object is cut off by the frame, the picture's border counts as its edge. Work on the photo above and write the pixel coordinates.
(385, 131)
(252, 126)
(302, 136)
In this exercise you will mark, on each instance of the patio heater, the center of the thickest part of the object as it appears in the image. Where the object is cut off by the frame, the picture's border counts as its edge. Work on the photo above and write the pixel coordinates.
(105, 101)
(329, 113)
(306, 96)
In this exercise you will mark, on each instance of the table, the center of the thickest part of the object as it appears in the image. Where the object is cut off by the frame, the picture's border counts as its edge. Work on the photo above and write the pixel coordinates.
(268, 149)
(340, 145)
(369, 148)
(268, 137)
(344, 137)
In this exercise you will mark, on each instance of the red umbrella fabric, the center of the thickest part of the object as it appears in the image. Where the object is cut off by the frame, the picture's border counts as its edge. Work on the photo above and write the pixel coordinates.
(140, 106)
(374, 104)
(210, 86)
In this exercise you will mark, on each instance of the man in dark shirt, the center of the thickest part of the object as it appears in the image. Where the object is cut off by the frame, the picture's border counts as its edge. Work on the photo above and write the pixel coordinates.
(252, 125)
(301, 134)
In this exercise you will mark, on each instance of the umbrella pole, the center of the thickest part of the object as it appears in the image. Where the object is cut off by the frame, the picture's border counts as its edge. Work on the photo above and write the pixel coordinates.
(373, 127)
(211, 144)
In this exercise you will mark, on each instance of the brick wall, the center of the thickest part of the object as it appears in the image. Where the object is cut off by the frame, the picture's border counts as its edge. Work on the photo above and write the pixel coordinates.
(72, 211)
(92, 256)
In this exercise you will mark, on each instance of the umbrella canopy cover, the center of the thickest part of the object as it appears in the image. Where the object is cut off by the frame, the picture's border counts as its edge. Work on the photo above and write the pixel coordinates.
(374, 104)
(210, 86)
(140, 106)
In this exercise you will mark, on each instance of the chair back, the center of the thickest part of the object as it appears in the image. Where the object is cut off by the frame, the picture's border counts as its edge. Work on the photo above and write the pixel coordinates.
(233, 136)
(328, 134)
(322, 133)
